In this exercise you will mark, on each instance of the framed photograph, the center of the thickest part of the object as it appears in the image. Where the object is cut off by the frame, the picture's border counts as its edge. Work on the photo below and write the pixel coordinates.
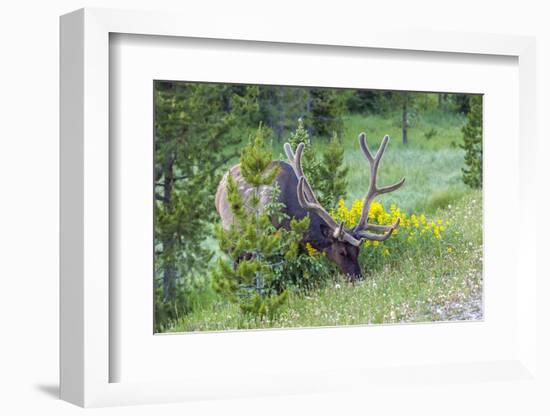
(282, 213)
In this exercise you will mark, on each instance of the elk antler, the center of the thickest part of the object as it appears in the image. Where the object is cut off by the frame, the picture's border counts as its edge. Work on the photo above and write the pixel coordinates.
(309, 202)
(362, 228)
(295, 160)
(307, 198)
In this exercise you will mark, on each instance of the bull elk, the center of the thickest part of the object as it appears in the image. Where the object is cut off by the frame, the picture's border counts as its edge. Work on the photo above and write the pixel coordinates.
(325, 234)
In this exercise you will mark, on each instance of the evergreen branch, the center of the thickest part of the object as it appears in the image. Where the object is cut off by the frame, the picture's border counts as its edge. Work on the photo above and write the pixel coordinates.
(210, 172)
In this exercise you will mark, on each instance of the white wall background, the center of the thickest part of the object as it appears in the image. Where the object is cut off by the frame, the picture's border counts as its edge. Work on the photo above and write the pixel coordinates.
(29, 205)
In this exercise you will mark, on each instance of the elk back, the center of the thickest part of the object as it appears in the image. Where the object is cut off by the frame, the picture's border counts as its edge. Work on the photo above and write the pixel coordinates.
(287, 182)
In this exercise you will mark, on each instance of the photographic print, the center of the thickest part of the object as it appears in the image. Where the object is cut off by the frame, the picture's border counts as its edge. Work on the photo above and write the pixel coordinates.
(293, 207)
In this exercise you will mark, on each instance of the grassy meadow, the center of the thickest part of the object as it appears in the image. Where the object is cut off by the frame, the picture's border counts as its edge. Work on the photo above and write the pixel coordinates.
(419, 289)
(420, 285)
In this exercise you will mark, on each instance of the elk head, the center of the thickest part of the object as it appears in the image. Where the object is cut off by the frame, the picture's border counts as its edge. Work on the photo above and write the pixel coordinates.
(340, 244)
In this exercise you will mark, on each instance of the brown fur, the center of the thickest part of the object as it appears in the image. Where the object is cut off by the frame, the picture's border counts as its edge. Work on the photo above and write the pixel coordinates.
(222, 204)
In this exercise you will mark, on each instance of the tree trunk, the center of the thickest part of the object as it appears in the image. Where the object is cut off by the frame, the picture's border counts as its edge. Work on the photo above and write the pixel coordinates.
(404, 117)
(169, 272)
(306, 115)
(282, 115)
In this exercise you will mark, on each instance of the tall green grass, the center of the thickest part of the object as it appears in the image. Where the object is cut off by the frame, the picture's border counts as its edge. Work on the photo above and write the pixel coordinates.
(432, 287)
(428, 287)
(431, 166)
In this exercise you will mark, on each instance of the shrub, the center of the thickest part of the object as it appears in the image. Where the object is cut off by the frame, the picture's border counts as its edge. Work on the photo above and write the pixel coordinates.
(430, 134)
(190, 294)
(443, 198)
(326, 172)
(251, 241)
(304, 272)
(472, 133)
(327, 110)
(333, 183)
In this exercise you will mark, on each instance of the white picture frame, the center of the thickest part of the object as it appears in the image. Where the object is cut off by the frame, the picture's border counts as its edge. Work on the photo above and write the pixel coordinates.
(86, 356)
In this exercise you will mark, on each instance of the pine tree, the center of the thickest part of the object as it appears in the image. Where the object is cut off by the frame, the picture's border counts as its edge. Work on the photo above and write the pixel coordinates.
(280, 106)
(365, 101)
(326, 112)
(326, 174)
(310, 164)
(472, 134)
(252, 243)
(333, 181)
(194, 125)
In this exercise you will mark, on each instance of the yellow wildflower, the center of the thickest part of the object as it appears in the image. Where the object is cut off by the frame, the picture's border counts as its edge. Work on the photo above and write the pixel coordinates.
(378, 215)
(375, 209)
(311, 251)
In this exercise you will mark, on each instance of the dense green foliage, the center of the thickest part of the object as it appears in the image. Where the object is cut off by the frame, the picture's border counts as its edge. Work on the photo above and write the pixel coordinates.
(366, 101)
(281, 107)
(327, 109)
(472, 174)
(333, 185)
(196, 126)
(321, 110)
(257, 251)
(325, 170)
